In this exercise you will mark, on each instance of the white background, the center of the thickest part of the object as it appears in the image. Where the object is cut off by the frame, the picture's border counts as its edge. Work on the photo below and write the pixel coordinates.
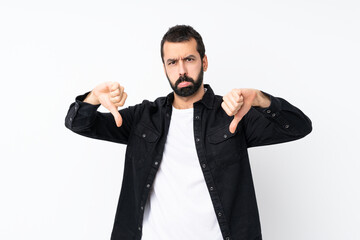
(58, 185)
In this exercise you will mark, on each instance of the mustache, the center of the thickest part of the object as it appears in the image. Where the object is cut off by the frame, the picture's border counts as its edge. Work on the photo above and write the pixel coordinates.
(184, 78)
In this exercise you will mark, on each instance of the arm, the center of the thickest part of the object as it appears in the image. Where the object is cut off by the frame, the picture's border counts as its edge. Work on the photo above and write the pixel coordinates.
(279, 122)
(115, 126)
(264, 118)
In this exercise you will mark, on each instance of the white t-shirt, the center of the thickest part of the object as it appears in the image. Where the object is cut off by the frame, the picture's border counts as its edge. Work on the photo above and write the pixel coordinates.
(179, 206)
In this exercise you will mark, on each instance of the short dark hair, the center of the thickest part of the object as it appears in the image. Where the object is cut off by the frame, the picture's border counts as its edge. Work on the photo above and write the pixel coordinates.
(181, 33)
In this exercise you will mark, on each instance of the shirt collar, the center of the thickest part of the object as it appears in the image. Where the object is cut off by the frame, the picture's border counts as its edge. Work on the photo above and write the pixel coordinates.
(207, 100)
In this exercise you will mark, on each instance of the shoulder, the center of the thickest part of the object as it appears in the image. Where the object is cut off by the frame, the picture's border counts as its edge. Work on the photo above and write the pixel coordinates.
(158, 102)
(146, 105)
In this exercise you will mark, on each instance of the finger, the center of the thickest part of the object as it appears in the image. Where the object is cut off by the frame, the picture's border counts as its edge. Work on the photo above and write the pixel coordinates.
(234, 123)
(114, 111)
(238, 98)
(230, 103)
(115, 93)
(121, 90)
(114, 86)
(226, 109)
(122, 101)
(115, 99)
(238, 91)
(235, 104)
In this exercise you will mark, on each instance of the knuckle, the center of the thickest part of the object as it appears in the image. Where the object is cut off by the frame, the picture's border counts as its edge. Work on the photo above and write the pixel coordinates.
(116, 99)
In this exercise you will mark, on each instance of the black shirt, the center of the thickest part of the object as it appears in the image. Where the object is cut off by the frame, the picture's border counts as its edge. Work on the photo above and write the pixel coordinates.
(223, 155)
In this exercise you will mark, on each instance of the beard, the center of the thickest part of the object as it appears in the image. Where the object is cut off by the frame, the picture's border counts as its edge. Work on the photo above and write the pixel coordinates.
(192, 88)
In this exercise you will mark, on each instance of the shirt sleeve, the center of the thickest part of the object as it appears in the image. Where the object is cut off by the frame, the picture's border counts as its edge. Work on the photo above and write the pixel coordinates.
(278, 123)
(84, 119)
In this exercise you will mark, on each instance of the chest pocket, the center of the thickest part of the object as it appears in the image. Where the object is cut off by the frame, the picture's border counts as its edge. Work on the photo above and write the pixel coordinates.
(143, 143)
(223, 145)
(146, 133)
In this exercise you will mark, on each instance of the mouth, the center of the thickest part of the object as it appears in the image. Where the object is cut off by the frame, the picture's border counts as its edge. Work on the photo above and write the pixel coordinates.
(184, 84)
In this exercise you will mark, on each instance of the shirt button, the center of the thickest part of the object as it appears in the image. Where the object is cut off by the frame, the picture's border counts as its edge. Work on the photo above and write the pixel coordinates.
(197, 117)
(219, 214)
(75, 107)
(273, 115)
(156, 163)
(148, 185)
(70, 119)
(143, 135)
(268, 111)
(198, 139)
(227, 238)
(142, 208)
(204, 165)
(139, 228)
(211, 188)
(168, 115)
(225, 136)
(286, 126)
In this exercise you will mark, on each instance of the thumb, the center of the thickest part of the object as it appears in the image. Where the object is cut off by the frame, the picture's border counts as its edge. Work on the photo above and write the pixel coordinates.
(234, 123)
(118, 119)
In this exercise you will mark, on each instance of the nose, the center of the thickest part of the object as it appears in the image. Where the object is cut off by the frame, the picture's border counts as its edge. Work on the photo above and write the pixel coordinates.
(182, 68)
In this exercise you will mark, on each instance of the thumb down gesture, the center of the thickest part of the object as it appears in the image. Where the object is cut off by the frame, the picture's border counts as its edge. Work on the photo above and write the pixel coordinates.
(111, 95)
(239, 101)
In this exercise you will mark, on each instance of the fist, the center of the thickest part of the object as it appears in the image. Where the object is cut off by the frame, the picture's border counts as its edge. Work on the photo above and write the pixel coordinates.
(237, 103)
(111, 95)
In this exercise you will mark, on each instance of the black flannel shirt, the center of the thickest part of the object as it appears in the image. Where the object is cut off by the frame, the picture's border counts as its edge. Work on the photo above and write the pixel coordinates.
(223, 156)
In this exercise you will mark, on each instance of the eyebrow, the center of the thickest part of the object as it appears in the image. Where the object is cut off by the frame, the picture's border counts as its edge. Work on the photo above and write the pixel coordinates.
(174, 59)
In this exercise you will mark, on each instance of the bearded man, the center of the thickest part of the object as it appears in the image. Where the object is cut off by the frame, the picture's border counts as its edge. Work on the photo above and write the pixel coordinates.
(186, 172)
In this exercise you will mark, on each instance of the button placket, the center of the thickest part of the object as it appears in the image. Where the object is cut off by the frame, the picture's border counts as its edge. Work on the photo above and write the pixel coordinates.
(206, 169)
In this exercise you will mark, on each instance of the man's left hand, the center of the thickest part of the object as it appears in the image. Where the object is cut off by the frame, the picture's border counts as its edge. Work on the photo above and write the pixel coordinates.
(239, 101)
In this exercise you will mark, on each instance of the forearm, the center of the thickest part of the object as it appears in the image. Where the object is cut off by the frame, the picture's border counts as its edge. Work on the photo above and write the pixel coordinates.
(84, 119)
(276, 123)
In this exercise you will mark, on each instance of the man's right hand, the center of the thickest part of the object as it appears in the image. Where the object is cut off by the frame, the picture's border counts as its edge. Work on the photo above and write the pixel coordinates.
(111, 95)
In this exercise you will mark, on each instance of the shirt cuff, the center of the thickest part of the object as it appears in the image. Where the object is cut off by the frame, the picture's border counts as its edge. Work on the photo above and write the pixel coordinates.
(274, 111)
(84, 108)
(80, 113)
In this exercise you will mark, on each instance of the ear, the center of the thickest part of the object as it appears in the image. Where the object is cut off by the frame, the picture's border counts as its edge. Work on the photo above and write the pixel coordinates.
(205, 63)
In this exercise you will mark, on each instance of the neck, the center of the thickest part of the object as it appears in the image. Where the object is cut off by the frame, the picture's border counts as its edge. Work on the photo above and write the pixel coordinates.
(187, 102)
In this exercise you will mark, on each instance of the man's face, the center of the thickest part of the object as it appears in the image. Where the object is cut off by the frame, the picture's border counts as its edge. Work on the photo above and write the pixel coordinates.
(183, 67)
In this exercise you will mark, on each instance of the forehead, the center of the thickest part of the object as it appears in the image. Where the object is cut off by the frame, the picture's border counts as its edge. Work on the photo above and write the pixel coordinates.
(180, 49)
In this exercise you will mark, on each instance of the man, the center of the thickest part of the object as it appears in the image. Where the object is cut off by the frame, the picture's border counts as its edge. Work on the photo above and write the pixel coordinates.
(187, 173)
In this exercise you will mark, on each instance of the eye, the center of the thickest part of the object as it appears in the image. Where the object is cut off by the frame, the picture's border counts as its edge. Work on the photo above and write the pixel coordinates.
(172, 62)
(189, 59)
